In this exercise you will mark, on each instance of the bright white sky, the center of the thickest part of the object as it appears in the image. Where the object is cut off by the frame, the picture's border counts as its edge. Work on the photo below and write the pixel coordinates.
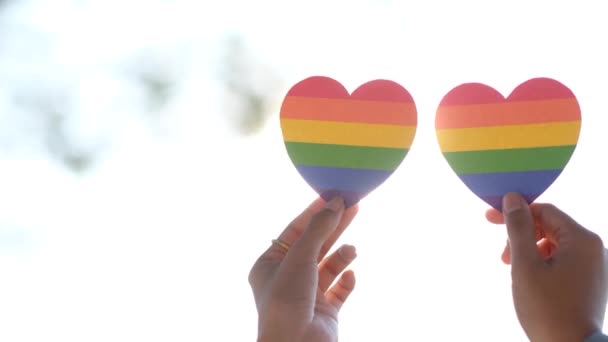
(155, 243)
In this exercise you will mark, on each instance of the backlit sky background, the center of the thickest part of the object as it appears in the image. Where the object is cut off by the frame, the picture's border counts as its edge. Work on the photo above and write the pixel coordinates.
(142, 168)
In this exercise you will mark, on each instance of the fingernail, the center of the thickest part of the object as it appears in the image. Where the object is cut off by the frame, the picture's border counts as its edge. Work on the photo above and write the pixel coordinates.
(510, 203)
(336, 204)
(348, 252)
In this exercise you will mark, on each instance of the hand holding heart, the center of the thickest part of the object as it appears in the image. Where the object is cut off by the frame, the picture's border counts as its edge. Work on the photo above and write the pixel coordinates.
(299, 291)
(345, 146)
(559, 271)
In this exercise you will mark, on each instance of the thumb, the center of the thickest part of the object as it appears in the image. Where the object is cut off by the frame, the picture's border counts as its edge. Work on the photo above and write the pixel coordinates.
(308, 247)
(521, 231)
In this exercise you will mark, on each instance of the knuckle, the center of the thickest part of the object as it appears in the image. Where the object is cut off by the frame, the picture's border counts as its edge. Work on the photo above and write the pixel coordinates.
(323, 252)
(546, 210)
(595, 242)
(322, 216)
(333, 268)
(252, 276)
(251, 279)
(341, 295)
(335, 265)
(548, 207)
(517, 218)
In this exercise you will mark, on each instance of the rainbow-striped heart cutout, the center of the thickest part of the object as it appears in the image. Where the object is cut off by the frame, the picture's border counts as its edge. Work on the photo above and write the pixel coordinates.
(345, 144)
(518, 144)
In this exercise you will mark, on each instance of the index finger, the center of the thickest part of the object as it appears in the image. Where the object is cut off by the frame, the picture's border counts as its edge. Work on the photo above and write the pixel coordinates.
(297, 226)
(293, 231)
(347, 218)
(495, 216)
(556, 224)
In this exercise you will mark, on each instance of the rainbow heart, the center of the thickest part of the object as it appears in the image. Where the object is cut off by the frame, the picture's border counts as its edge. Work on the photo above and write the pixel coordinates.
(518, 144)
(345, 144)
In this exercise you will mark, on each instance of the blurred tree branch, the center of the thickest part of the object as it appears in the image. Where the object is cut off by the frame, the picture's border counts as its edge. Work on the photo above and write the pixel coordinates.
(157, 73)
(47, 87)
(51, 110)
(44, 111)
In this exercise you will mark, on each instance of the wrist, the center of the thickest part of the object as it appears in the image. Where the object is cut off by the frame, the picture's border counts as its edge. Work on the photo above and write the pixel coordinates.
(272, 339)
(272, 336)
(569, 336)
(597, 336)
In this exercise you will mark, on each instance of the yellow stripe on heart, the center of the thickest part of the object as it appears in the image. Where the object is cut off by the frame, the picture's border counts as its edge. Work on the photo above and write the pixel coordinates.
(508, 137)
(347, 133)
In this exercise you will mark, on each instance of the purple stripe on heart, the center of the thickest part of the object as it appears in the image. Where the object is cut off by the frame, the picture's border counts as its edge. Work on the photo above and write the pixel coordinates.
(498, 184)
(351, 183)
(496, 201)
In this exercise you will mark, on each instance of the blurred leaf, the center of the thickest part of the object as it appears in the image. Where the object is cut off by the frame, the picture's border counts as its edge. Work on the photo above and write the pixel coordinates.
(157, 85)
(63, 148)
(158, 73)
(157, 81)
(250, 86)
(50, 108)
